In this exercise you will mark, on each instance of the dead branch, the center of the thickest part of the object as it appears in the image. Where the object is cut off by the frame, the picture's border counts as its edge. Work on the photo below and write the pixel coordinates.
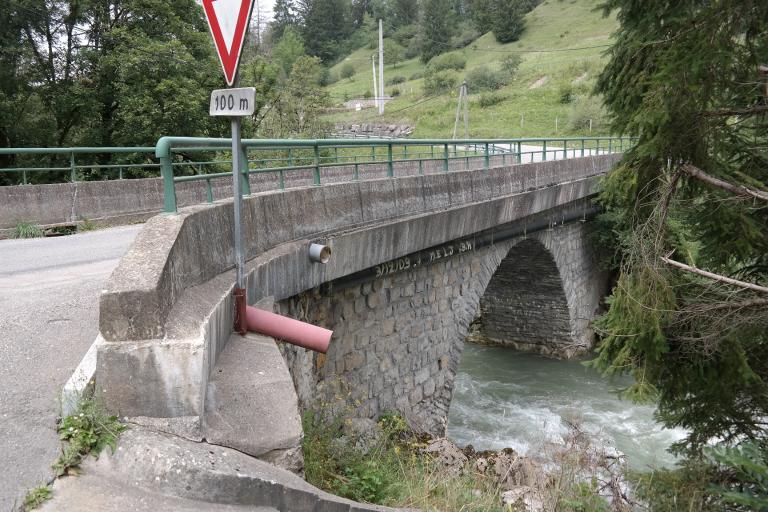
(740, 190)
(744, 304)
(714, 277)
(751, 111)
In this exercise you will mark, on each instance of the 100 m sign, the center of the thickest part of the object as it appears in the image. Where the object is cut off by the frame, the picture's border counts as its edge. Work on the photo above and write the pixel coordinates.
(233, 102)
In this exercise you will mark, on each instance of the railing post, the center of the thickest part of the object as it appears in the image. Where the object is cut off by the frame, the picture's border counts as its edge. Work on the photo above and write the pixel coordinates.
(119, 173)
(610, 145)
(23, 177)
(336, 154)
(208, 191)
(565, 149)
(405, 152)
(544, 152)
(373, 152)
(72, 169)
(421, 166)
(282, 180)
(519, 152)
(317, 164)
(356, 176)
(445, 158)
(582, 147)
(290, 157)
(169, 187)
(390, 167)
(487, 160)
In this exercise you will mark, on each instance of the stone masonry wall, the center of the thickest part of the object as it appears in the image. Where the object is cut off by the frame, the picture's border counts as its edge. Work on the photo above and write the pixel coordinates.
(398, 339)
(544, 294)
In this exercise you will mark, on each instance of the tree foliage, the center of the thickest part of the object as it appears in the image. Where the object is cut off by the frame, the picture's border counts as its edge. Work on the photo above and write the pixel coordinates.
(686, 78)
(91, 73)
(435, 28)
(325, 25)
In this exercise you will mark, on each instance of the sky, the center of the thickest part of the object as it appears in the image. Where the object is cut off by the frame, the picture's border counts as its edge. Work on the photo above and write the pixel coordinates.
(265, 6)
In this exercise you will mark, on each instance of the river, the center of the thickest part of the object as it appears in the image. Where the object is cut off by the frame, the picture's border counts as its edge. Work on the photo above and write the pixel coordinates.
(504, 398)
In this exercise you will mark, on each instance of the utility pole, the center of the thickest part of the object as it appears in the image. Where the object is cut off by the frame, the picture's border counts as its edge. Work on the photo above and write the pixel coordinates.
(375, 86)
(462, 99)
(466, 110)
(381, 67)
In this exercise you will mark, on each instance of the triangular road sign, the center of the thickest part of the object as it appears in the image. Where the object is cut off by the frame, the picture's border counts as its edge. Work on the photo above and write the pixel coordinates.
(228, 21)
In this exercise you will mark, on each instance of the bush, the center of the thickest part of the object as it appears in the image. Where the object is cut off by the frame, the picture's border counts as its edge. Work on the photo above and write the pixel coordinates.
(368, 94)
(416, 75)
(448, 61)
(510, 63)
(483, 78)
(397, 79)
(565, 93)
(394, 92)
(347, 70)
(584, 109)
(465, 35)
(490, 99)
(440, 81)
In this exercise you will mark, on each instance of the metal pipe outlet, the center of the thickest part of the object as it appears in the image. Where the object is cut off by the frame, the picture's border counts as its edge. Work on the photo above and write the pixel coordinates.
(319, 253)
(287, 329)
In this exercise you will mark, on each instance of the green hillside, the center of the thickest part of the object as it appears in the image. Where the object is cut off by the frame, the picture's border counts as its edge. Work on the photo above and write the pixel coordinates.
(548, 88)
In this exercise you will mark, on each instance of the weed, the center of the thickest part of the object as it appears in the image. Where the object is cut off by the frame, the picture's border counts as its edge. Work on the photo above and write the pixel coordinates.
(490, 99)
(86, 225)
(391, 470)
(87, 431)
(25, 229)
(36, 497)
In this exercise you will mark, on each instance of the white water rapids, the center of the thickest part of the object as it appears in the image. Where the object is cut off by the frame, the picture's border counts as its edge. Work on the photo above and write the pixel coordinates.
(503, 398)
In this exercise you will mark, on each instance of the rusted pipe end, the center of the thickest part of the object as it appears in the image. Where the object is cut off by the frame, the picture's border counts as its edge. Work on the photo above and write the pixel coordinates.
(287, 329)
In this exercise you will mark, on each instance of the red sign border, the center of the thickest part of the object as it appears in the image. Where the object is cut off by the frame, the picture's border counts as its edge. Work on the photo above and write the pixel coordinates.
(229, 60)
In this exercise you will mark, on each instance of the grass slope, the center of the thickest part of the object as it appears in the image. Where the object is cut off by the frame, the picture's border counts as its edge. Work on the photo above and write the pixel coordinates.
(525, 111)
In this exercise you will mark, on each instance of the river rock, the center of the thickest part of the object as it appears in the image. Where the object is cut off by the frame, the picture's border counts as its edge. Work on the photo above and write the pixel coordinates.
(447, 454)
(512, 471)
(523, 496)
(363, 433)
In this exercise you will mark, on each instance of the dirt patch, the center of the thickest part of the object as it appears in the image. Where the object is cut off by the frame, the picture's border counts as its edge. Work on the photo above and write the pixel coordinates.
(538, 83)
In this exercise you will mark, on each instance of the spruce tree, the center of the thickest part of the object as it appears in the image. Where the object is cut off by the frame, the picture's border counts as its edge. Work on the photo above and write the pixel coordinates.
(507, 20)
(435, 28)
(688, 206)
(325, 25)
(283, 16)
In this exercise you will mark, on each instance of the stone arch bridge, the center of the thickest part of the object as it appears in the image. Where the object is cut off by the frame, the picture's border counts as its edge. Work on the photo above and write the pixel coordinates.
(416, 261)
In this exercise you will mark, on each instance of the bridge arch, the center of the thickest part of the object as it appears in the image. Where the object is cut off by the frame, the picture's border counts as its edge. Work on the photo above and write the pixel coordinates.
(399, 338)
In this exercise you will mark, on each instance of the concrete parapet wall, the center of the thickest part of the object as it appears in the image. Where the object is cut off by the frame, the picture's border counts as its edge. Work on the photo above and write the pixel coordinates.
(115, 200)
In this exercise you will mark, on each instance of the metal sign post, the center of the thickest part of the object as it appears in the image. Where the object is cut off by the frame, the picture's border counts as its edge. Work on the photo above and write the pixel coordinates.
(236, 103)
(228, 21)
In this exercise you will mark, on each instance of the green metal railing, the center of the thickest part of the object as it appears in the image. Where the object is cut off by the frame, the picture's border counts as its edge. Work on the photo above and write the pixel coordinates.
(174, 158)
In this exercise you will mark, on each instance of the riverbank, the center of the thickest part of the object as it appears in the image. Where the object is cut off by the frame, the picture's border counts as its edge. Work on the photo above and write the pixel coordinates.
(387, 463)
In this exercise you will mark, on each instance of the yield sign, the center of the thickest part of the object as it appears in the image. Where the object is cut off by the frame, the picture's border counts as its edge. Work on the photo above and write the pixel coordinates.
(228, 20)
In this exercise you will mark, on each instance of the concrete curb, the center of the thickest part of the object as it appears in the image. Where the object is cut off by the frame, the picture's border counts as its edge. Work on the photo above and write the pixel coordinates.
(81, 383)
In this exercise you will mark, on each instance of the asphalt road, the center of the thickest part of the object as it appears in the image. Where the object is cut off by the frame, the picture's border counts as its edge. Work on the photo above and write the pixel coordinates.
(49, 291)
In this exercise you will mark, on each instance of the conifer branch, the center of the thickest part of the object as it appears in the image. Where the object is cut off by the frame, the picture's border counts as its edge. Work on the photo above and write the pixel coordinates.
(751, 111)
(713, 276)
(739, 190)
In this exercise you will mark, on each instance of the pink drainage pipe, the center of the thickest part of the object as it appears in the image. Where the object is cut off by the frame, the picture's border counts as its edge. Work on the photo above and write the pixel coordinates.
(287, 329)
